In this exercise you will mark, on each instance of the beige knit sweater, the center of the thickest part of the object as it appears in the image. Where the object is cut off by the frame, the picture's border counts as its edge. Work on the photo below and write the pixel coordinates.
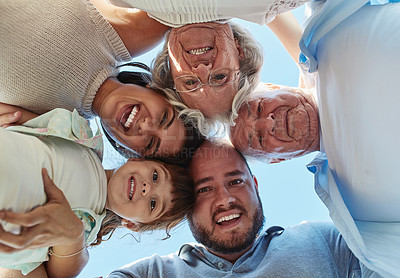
(55, 54)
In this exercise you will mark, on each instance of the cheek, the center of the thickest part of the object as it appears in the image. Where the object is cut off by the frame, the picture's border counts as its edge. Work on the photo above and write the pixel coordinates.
(191, 100)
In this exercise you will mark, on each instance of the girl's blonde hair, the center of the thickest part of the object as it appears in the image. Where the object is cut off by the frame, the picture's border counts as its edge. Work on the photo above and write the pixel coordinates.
(182, 204)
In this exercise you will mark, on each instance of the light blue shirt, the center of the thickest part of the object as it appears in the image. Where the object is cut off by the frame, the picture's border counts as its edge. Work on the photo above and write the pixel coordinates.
(376, 244)
(306, 250)
(358, 81)
(328, 17)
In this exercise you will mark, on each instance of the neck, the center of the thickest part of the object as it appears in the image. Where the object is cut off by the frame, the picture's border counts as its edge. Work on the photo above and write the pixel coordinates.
(108, 86)
(230, 257)
(109, 174)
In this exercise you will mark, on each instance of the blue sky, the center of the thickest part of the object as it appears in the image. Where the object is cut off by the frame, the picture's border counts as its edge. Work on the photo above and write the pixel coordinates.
(286, 188)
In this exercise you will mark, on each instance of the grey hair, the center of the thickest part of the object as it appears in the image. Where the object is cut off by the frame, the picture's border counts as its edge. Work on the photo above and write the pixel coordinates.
(250, 67)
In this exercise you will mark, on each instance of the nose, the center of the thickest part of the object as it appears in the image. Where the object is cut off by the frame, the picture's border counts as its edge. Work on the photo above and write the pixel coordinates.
(266, 124)
(146, 187)
(224, 198)
(147, 126)
(202, 70)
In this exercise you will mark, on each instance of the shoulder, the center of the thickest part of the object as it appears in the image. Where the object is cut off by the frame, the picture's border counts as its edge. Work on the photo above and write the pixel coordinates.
(316, 233)
(154, 266)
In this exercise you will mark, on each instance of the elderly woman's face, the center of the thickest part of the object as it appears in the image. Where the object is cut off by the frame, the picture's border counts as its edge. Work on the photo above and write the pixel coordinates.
(198, 50)
(140, 119)
(278, 123)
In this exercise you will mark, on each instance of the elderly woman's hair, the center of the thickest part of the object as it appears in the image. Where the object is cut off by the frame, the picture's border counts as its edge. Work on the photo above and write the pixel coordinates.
(193, 138)
(250, 68)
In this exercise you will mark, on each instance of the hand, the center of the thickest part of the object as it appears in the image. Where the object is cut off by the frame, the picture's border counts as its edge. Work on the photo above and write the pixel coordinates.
(10, 118)
(52, 224)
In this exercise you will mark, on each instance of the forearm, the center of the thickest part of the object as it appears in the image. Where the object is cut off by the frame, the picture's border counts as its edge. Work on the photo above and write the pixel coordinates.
(65, 262)
(9, 109)
(288, 31)
(137, 30)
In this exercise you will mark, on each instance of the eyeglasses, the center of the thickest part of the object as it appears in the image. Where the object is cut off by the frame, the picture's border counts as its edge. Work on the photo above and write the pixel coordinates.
(191, 83)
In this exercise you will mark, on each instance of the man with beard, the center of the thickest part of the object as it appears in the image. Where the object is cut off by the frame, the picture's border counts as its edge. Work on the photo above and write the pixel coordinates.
(227, 219)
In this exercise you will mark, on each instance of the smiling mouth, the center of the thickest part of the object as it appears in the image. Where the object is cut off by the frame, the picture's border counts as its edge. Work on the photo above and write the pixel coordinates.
(131, 188)
(282, 124)
(200, 51)
(128, 116)
(228, 219)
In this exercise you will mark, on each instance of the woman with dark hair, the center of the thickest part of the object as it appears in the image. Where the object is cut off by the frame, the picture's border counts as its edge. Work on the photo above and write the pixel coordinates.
(76, 67)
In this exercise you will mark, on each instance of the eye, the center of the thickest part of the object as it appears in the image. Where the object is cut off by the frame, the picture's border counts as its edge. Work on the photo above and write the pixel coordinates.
(219, 78)
(259, 108)
(155, 176)
(203, 190)
(236, 182)
(153, 204)
(190, 82)
(260, 140)
(150, 144)
(164, 118)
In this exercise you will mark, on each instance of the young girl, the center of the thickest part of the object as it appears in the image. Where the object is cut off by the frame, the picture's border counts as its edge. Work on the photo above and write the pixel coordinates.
(140, 195)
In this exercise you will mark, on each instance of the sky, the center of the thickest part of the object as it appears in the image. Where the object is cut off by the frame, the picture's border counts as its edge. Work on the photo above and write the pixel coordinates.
(286, 188)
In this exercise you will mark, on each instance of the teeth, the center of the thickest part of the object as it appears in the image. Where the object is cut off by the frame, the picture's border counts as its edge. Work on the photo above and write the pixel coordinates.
(227, 218)
(199, 51)
(131, 116)
(132, 186)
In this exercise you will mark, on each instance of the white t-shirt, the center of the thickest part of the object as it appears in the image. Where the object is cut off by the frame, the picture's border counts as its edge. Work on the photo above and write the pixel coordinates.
(176, 13)
(75, 169)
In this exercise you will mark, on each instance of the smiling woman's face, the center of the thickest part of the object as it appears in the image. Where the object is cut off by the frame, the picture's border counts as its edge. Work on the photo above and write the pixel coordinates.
(142, 120)
(198, 49)
(278, 123)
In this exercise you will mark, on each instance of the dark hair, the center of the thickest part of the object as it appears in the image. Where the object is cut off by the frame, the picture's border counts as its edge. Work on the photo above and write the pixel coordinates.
(193, 137)
(182, 203)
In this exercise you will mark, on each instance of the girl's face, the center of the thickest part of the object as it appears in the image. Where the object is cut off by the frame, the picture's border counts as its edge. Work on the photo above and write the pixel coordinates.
(140, 191)
(140, 119)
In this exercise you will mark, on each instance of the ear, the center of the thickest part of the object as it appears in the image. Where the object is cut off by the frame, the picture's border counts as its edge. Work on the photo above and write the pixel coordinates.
(255, 182)
(240, 49)
(130, 225)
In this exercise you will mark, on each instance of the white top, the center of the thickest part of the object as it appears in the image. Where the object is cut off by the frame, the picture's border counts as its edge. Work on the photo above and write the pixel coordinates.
(74, 168)
(55, 54)
(176, 13)
(358, 86)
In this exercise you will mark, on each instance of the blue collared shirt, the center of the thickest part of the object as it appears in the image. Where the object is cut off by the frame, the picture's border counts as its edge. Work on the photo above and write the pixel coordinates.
(330, 15)
(305, 250)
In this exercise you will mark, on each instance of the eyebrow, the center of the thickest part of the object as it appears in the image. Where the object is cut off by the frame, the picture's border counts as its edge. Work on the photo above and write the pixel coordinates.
(248, 109)
(161, 211)
(233, 173)
(226, 175)
(207, 179)
(157, 147)
(250, 138)
(172, 119)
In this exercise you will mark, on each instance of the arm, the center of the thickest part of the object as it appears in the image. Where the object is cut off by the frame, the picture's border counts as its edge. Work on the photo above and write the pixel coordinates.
(137, 30)
(288, 30)
(53, 224)
(39, 272)
(10, 114)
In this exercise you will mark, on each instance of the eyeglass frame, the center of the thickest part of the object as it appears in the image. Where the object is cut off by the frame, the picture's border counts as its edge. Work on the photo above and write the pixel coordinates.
(209, 78)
